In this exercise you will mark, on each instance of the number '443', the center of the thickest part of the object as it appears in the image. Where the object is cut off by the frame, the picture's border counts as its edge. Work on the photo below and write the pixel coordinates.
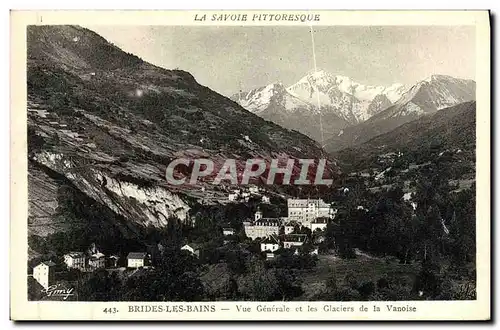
(111, 310)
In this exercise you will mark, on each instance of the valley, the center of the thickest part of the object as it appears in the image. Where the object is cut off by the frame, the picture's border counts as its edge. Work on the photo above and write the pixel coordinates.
(397, 221)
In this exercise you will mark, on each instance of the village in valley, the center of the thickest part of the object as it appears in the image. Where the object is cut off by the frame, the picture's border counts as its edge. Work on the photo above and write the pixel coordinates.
(305, 218)
(312, 249)
(306, 229)
(396, 220)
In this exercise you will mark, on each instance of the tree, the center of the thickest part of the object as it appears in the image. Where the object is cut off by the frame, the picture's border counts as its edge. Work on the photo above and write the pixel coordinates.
(463, 228)
(331, 283)
(430, 233)
(173, 237)
(366, 289)
(176, 278)
(99, 286)
(428, 280)
(259, 284)
(289, 286)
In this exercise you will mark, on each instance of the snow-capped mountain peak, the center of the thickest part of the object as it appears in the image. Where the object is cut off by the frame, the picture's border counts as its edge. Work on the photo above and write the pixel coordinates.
(350, 99)
(440, 77)
(336, 100)
(259, 99)
(432, 94)
(320, 80)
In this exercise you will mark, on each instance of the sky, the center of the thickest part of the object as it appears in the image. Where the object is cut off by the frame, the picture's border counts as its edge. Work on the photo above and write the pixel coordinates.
(229, 58)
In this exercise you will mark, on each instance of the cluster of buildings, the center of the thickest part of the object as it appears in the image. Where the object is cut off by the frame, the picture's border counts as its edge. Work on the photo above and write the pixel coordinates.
(288, 241)
(245, 194)
(272, 243)
(276, 233)
(92, 260)
(389, 157)
(269, 245)
(310, 213)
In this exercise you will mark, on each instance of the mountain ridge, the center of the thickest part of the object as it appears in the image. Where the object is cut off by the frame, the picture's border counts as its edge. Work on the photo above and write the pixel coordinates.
(338, 100)
(350, 112)
(427, 96)
(451, 128)
(110, 123)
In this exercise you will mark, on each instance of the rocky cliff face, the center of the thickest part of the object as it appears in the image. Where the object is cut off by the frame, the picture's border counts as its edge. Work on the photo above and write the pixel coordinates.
(149, 205)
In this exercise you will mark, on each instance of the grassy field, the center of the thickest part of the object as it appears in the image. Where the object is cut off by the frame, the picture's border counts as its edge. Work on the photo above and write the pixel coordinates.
(363, 269)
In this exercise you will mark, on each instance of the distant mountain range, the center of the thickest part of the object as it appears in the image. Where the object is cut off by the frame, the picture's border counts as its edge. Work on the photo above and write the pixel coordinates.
(453, 128)
(342, 101)
(425, 97)
(351, 113)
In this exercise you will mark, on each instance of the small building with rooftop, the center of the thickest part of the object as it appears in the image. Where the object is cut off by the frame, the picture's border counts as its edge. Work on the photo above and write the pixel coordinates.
(192, 248)
(75, 260)
(228, 231)
(270, 244)
(136, 259)
(293, 240)
(97, 261)
(44, 272)
(319, 223)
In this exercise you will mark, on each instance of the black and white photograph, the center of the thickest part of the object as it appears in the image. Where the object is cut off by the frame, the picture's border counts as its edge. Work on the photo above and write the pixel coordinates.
(301, 162)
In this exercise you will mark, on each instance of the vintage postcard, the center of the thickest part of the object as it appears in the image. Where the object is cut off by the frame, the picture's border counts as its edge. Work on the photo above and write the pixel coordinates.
(250, 165)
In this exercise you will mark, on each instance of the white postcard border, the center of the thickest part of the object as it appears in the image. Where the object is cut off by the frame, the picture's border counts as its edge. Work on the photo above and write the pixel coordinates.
(22, 309)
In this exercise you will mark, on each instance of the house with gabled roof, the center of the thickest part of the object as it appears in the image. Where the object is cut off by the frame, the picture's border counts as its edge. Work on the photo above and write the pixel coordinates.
(136, 259)
(293, 240)
(97, 260)
(270, 244)
(76, 260)
(44, 272)
(319, 223)
(192, 248)
(113, 261)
